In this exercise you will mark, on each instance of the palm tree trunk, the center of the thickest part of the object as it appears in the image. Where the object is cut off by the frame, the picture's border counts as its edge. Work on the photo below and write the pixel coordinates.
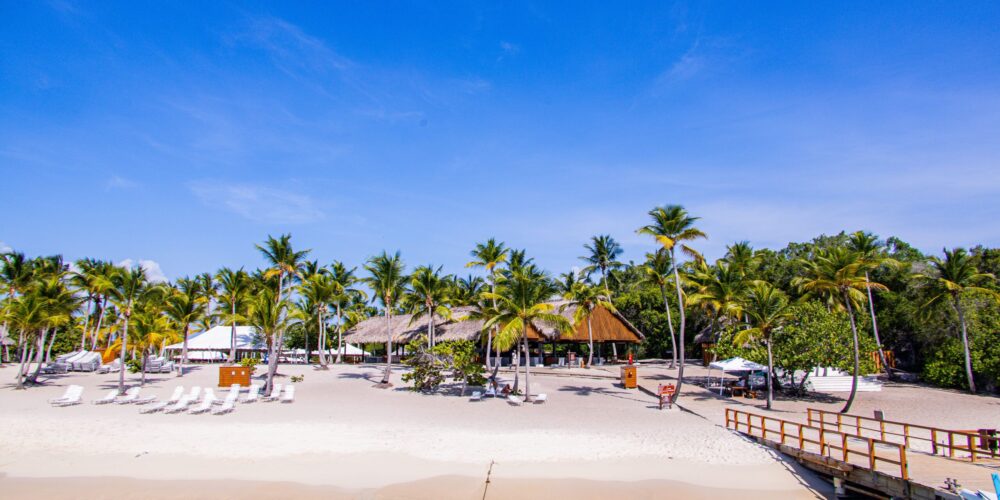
(232, 335)
(24, 359)
(121, 370)
(489, 335)
(145, 356)
(670, 324)
(680, 306)
(272, 365)
(340, 335)
(184, 350)
(770, 368)
(100, 319)
(878, 341)
(39, 356)
(321, 342)
(48, 351)
(430, 327)
(388, 346)
(590, 344)
(857, 360)
(305, 332)
(527, 372)
(86, 323)
(965, 344)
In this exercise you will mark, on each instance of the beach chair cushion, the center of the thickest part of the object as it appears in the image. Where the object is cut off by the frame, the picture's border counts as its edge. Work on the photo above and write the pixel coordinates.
(541, 398)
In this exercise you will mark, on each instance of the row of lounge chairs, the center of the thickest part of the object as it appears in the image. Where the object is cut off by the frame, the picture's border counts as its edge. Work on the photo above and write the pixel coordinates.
(179, 401)
(512, 399)
(79, 361)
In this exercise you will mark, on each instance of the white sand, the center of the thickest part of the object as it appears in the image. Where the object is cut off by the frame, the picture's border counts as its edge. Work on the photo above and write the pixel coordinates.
(343, 432)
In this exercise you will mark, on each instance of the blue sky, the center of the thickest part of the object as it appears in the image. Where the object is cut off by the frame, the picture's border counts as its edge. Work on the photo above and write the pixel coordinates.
(183, 133)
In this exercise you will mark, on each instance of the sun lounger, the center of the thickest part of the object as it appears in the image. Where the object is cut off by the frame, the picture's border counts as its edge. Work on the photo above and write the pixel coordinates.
(159, 405)
(206, 403)
(113, 366)
(252, 393)
(491, 392)
(541, 398)
(234, 392)
(87, 362)
(72, 396)
(230, 403)
(108, 398)
(275, 393)
(130, 396)
(289, 395)
(515, 400)
(184, 401)
(144, 400)
(476, 396)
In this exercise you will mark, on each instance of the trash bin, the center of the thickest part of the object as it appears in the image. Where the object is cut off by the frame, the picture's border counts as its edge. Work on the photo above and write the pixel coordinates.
(629, 380)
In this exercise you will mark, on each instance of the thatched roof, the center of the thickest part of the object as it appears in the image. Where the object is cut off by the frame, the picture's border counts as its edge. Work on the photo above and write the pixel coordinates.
(607, 327)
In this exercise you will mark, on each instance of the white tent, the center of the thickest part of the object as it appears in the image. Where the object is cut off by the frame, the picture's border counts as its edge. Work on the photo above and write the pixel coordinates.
(736, 364)
(350, 350)
(219, 338)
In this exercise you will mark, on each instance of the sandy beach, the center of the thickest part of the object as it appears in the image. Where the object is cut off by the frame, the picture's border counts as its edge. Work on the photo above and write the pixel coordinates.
(343, 438)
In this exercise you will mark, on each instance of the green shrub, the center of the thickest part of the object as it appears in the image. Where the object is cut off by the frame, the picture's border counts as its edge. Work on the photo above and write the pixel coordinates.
(250, 363)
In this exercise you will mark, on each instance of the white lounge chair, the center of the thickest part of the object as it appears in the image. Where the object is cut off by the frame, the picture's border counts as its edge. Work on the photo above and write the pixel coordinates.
(72, 396)
(515, 400)
(476, 396)
(252, 393)
(289, 395)
(159, 405)
(184, 401)
(234, 392)
(130, 396)
(275, 393)
(108, 398)
(206, 403)
(491, 392)
(143, 400)
(113, 366)
(541, 398)
(87, 362)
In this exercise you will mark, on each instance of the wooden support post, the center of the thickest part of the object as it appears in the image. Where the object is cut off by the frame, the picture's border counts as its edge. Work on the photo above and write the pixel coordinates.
(951, 445)
(934, 443)
(906, 435)
(763, 427)
(871, 454)
(802, 439)
(822, 442)
(882, 428)
(839, 421)
(782, 428)
(843, 444)
(904, 468)
(972, 447)
(821, 422)
(857, 424)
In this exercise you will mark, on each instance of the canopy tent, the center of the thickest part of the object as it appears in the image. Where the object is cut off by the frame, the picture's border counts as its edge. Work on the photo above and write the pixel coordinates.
(735, 365)
(219, 338)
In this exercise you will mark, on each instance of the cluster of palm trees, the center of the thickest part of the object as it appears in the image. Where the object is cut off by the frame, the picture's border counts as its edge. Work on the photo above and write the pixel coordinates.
(119, 309)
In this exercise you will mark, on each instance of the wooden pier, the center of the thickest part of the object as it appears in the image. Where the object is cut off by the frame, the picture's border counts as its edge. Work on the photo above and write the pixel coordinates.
(871, 459)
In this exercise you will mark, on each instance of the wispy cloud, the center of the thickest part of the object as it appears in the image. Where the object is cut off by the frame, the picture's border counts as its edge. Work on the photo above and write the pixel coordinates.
(153, 271)
(508, 49)
(4, 248)
(259, 203)
(118, 182)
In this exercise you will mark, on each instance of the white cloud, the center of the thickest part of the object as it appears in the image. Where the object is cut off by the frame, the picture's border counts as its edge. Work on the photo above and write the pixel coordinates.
(116, 182)
(4, 248)
(260, 204)
(153, 271)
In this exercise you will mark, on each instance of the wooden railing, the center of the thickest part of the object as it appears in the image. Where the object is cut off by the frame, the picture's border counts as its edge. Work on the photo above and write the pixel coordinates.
(833, 444)
(942, 441)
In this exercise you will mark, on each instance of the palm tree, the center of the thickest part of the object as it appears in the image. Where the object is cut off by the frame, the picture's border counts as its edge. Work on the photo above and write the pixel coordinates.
(388, 283)
(466, 290)
(658, 270)
(430, 295)
(952, 277)
(59, 304)
(270, 316)
(184, 307)
(767, 309)
(871, 250)
(672, 226)
(81, 281)
(318, 290)
(149, 330)
(15, 276)
(129, 284)
(235, 288)
(837, 275)
(101, 285)
(285, 262)
(522, 303)
(490, 255)
(719, 289)
(344, 296)
(586, 298)
(27, 314)
(604, 251)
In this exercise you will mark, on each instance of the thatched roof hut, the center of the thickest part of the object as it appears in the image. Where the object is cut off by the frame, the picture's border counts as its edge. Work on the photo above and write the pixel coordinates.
(607, 327)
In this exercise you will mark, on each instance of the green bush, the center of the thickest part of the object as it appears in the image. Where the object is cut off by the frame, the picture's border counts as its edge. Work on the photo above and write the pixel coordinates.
(250, 363)
(134, 365)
